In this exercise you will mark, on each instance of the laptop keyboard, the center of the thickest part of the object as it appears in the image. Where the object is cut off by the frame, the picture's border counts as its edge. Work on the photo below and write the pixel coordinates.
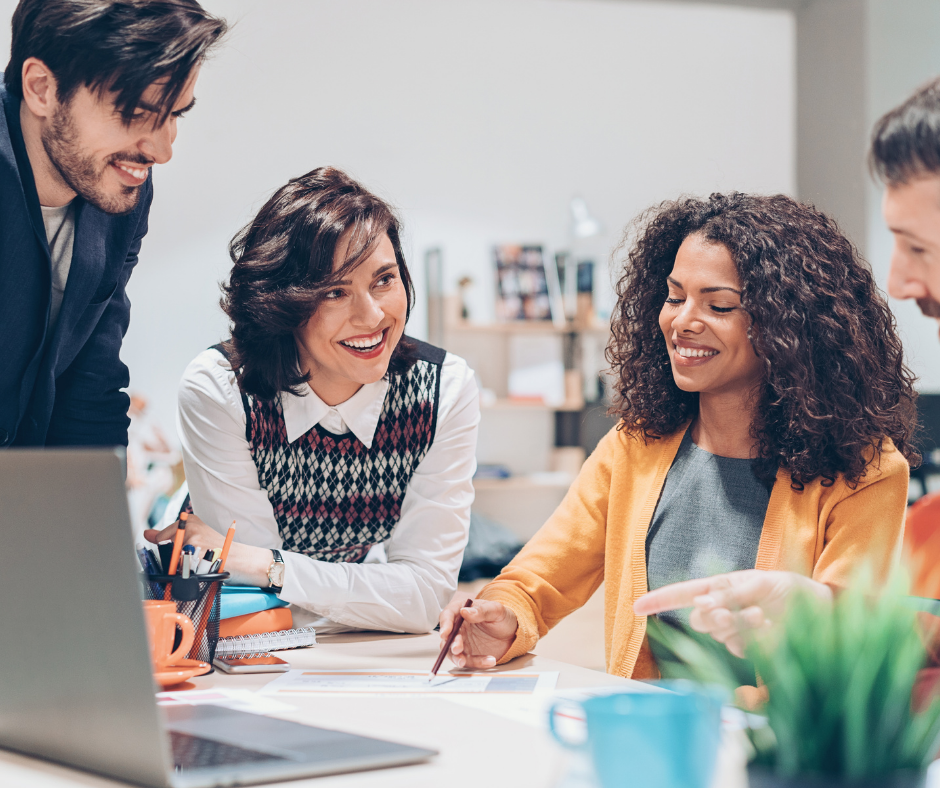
(193, 752)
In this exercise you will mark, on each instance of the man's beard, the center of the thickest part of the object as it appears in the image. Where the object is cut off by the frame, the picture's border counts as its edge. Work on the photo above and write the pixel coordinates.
(80, 172)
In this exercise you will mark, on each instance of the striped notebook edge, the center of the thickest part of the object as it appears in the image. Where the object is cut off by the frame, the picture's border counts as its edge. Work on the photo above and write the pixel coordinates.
(252, 645)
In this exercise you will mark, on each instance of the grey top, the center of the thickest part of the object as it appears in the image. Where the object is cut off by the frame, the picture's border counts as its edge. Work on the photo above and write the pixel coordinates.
(708, 520)
(60, 233)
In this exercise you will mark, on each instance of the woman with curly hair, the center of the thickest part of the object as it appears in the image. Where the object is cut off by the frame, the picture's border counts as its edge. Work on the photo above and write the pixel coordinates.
(344, 449)
(766, 417)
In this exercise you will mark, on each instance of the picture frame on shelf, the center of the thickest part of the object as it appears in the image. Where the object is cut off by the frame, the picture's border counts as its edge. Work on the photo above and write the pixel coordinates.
(522, 282)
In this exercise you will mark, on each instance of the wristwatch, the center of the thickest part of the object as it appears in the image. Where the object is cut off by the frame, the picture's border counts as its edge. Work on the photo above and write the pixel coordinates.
(276, 572)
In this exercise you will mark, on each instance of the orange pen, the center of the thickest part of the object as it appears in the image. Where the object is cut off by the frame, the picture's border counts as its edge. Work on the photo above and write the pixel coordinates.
(177, 549)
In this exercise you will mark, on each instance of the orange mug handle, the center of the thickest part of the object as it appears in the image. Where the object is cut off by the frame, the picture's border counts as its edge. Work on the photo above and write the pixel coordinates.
(185, 624)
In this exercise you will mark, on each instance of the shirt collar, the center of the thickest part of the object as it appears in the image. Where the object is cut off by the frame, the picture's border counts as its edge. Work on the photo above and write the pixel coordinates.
(360, 412)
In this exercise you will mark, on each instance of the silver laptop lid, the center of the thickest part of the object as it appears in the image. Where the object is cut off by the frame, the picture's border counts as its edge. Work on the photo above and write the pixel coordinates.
(69, 691)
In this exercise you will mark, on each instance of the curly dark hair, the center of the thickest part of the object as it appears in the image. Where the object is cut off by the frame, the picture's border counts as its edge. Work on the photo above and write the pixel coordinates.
(283, 266)
(835, 382)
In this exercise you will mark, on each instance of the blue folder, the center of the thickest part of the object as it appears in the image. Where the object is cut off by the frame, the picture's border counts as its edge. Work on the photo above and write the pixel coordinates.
(239, 600)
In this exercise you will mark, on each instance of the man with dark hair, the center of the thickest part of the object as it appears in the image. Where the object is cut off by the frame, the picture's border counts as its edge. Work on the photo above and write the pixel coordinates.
(905, 156)
(89, 103)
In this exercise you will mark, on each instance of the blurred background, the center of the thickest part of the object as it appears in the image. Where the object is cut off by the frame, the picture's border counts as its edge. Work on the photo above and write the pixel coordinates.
(539, 127)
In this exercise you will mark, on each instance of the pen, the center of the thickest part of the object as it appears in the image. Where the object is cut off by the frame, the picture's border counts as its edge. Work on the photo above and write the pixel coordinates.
(177, 549)
(187, 564)
(153, 561)
(449, 642)
(205, 564)
(165, 548)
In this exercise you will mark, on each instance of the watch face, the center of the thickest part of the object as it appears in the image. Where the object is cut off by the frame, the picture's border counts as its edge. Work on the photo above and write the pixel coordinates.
(276, 574)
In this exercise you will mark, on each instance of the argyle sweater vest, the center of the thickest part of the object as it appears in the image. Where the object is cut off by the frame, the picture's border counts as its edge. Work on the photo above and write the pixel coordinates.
(333, 498)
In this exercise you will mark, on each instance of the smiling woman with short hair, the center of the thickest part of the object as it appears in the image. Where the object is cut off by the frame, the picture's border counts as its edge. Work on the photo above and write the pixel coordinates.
(323, 430)
(766, 417)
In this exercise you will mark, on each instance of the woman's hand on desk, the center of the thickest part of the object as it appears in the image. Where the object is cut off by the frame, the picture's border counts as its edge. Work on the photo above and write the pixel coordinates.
(487, 633)
(727, 606)
(248, 565)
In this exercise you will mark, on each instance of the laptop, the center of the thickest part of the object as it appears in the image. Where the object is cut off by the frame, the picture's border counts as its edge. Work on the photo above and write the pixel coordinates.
(75, 677)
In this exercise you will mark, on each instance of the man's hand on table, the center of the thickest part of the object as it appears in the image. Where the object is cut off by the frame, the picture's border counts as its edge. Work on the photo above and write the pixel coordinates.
(727, 606)
(248, 565)
(487, 633)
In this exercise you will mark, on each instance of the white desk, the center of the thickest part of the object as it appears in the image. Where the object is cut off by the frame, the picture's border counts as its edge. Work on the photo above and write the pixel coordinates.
(477, 749)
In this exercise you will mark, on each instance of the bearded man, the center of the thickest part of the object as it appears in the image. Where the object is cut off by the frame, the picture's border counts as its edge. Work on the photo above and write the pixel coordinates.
(89, 103)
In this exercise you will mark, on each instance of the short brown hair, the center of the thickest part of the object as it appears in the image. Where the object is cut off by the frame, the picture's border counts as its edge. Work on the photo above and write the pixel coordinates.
(905, 142)
(283, 266)
(122, 47)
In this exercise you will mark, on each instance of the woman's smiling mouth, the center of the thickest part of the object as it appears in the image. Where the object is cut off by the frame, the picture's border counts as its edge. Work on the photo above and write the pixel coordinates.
(366, 346)
(684, 356)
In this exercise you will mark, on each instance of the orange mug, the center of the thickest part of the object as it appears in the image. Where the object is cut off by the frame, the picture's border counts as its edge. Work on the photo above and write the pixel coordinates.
(162, 621)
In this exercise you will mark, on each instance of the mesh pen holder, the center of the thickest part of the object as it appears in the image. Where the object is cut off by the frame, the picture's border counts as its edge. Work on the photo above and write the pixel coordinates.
(199, 598)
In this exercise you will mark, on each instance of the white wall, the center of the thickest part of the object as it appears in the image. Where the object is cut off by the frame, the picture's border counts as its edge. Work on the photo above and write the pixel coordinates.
(479, 119)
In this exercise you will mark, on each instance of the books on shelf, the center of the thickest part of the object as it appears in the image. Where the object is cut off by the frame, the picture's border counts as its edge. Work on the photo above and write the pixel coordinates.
(249, 645)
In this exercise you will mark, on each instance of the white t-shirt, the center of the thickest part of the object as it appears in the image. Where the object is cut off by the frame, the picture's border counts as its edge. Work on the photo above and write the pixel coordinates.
(60, 233)
(404, 583)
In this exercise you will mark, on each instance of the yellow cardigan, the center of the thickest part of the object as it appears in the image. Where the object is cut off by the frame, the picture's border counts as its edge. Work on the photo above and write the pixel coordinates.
(598, 534)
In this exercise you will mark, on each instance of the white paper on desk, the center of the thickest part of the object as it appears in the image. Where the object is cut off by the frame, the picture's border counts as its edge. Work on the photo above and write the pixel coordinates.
(240, 700)
(533, 709)
(408, 682)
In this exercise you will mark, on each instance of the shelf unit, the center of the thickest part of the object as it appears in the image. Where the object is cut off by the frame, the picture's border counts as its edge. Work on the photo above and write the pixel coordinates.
(534, 440)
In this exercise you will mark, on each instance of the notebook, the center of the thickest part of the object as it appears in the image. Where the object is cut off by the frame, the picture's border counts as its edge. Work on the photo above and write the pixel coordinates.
(273, 620)
(249, 645)
(239, 600)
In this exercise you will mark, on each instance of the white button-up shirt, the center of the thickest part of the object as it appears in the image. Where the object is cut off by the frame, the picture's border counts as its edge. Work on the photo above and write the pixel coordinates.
(404, 583)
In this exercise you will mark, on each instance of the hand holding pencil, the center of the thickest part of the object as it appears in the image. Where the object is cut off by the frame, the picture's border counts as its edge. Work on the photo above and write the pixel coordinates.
(247, 565)
(487, 632)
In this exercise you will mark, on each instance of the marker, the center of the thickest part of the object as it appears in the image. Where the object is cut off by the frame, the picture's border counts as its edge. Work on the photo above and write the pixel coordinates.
(187, 565)
(165, 549)
(205, 564)
(154, 568)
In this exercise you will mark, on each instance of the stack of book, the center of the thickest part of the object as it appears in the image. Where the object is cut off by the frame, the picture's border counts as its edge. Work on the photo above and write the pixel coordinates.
(255, 620)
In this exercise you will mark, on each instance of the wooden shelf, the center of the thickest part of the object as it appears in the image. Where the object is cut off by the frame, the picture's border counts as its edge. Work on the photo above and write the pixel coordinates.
(524, 327)
(511, 404)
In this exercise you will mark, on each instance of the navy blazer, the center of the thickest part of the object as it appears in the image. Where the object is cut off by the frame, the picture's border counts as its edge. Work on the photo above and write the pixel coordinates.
(61, 387)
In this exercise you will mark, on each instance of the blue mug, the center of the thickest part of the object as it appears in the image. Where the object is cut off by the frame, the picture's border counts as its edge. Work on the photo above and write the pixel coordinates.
(662, 739)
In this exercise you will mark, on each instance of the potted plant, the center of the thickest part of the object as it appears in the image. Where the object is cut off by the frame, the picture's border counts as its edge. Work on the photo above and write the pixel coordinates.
(838, 679)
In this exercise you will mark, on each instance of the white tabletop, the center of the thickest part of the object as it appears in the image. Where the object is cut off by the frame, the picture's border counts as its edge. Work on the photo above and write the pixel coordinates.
(478, 749)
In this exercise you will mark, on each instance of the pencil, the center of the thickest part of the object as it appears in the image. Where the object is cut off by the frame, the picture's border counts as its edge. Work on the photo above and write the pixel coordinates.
(212, 592)
(449, 642)
(177, 549)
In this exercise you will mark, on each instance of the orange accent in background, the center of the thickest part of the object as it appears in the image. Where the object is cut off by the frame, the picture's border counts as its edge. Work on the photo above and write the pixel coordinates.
(922, 545)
